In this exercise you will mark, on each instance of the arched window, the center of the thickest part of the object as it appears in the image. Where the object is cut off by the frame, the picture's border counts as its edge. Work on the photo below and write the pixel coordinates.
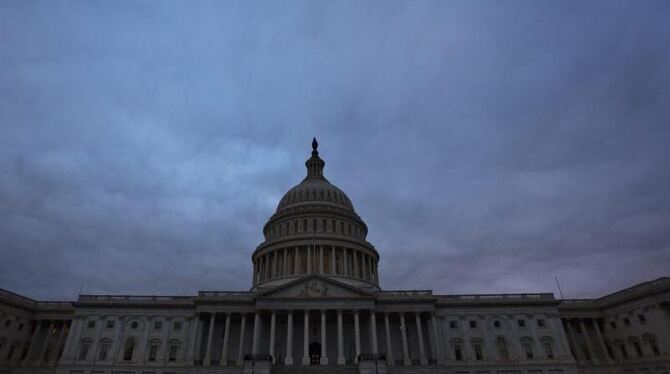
(103, 349)
(84, 347)
(547, 347)
(173, 350)
(527, 345)
(477, 348)
(652, 343)
(457, 348)
(153, 349)
(501, 346)
(128, 349)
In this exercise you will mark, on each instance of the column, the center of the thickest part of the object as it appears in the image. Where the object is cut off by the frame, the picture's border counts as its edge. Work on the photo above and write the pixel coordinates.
(226, 336)
(573, 342)
(33, 342)
(389, 350)
(289, 339)
(357, 333)
(71, 338)
(285, 271)
(208, 348)
(373, 332)
(296, 263)
(305, 340)
(43, 351)
(273, 321)
(144, 343)
(257, 333)
(333, 267)
(192, 332)
(354, 257)
(340, 338)
(438, 347)
(364, 266)
(422, 352)
(165, 354)
(309, 260)
(273, 264)
(61, 335)
(602, 341)
(405, 350)
(589, 346)
(321, 269)
(116, 344)
(240, 352)
(324, 351)
(345, 265)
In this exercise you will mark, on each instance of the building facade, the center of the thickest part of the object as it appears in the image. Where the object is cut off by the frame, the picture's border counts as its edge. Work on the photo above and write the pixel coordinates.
(316, 306)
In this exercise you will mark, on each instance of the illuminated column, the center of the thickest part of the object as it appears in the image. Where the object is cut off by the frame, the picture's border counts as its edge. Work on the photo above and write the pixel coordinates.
(373, 332)
(389, 351)
(289, 340)
(257, 332)
(240, 351)
(405, 350)
(305, 339)
(208, 348)
(340, 338)
(357, 333)
(226, 337)
(422, 353)
(324, 351)
(273, 321)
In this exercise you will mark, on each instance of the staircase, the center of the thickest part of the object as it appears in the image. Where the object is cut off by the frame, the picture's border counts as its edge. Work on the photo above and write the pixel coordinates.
(329, 369)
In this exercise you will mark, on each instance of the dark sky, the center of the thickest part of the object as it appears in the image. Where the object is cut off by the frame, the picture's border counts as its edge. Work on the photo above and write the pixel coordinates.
(489, 145)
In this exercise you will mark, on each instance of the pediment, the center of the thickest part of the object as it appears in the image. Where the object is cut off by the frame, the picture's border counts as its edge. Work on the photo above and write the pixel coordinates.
(315, 287)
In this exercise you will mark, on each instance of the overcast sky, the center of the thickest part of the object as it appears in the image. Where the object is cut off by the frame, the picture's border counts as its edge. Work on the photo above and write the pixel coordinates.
(489, 145)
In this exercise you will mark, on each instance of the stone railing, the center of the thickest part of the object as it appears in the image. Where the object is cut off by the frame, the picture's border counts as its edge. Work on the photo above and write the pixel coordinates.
(225, 294)
(139, 299)
(498, 298)
(407, 293)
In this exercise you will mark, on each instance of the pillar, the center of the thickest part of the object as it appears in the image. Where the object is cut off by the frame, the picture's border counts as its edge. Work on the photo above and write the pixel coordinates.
(321, 269)
(573, 342)
(309, 260)
(192, 333)
(240, 351)
(324, 351)
(340, 338)
(70, 343)
(357, 333)
(61, 335)
(354, 257)
(345, 265)
(405, 350)
(436, 337)
(364, 266)
(285, 270)
(601, 341)
(296, 261)
(257, 333)
(43, 351)
(208, 347)
(422, 352)
(389, 350)
(589, 345)
(289, 339)
(33, 341)
(273, 321)
(226, 337)
(333, 265)
(305, 355)
(373, 333)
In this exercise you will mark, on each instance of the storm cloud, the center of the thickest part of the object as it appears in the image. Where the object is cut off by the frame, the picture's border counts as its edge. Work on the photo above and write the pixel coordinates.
(489, 146)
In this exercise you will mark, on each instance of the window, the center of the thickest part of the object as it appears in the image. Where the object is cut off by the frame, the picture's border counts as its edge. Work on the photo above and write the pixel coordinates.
(158, 325)
(349, 228)
(83, 350)
(638, 348)
(540, 323)
(613, 325)
(20, 327)
(324, 225)
(626, 321)
(473, 324)
(8, 323)
(548, 350)
(11, 352)
(527, 348)
(341, 227)
(521, 322)
(128, 349)
(90, 324)
(110, 324)
(177, 326)
(496, 324)
(479, 354)
(102, 354)
(173, 352)
(453, 324)
(304, 225)
(642, 318)
(153, 349)
(458, 353)
(624, 353)
(654, 346)
(501, 345)
(610, 352)
(133, 325)
(314, 224)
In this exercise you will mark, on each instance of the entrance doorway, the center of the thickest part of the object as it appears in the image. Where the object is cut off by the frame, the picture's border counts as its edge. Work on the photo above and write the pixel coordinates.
(315, 353)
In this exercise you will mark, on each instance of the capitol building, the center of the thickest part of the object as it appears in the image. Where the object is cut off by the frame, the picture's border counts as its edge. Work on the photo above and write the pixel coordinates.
(315, 305)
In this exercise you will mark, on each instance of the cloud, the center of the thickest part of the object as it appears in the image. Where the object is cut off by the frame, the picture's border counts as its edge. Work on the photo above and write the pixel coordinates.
(143, 147)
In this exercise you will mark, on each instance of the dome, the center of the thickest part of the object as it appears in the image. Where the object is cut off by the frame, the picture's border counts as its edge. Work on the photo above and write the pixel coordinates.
(315, 190)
